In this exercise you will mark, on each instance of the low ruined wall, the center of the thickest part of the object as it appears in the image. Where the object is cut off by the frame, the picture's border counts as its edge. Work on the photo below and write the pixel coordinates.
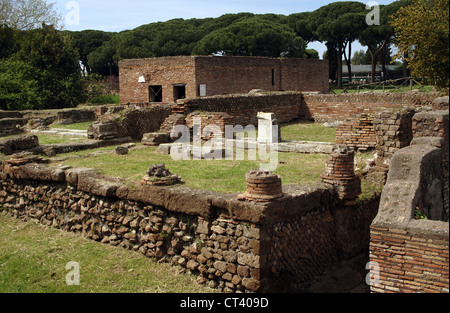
(357, 134)
(432, 127)
(330, 107)
(233, 245)
(244, 108)
(409, 254)
(76, 116)
(129, 122)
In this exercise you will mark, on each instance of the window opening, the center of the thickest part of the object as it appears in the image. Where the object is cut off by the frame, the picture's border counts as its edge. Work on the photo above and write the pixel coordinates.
(155, 93)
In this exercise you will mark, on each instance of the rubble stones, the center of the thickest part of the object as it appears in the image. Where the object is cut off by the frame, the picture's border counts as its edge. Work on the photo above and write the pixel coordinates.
(157, 174)
(104, 130)
(18, 143)
(121, 150)
(155, 139)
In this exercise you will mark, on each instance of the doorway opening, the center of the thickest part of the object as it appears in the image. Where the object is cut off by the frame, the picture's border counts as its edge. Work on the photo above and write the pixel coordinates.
(179, 91)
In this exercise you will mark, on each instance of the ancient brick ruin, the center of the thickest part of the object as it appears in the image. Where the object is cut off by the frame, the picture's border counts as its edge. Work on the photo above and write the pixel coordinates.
(168, 79)
(339, 172)
(407, 253)
(271, 237)
(232, 244)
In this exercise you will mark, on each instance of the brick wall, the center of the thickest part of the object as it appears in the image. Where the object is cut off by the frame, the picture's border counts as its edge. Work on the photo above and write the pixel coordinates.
(244, 107)
(358, 133)
(410, 261)
(233, 245)
(229, 75)
(330, 107)
(220, 75)
(410, 254)
(164, 71)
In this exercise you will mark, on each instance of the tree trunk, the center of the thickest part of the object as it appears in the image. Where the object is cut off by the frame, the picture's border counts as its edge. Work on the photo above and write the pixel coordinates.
(374, 53)
(405, 66)
(349, 62)
(339, 67)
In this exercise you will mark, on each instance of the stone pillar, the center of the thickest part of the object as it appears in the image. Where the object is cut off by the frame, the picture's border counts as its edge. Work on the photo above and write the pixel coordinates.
(339, 171)
(268, 130)
(262, 186)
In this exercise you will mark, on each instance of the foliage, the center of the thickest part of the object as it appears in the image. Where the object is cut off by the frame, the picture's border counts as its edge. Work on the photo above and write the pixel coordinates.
(338, 23)
(8, 41)
(17, 90)
(43, 74)
(422, 31)
(103, 60)
(255, 36)
(27, 14)
(187, 37)
(378, 37)
(87, 41)
(418, 215)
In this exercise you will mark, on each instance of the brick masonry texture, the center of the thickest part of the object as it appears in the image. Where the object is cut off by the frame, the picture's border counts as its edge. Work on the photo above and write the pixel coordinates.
(243, 109)
(429, 125)
(339, 171)
(357, 134)
(410, 262)
(232, 245)
(329, 107)
(221, 75)
(411, 254)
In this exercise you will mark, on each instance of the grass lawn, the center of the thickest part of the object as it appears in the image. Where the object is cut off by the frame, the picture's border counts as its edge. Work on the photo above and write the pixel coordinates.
(51, 139)
(33, 259)
(307, 131)
(226, 176)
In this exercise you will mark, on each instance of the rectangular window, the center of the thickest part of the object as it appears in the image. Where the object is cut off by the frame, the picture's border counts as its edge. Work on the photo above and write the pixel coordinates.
(273, 77)
(179, 91)
(155, 93)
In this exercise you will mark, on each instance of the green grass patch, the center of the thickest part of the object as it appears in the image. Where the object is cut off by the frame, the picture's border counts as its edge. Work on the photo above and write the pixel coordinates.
(225, 176)
(51, 139)
(106, 99)
(308, 131)
(33, 259)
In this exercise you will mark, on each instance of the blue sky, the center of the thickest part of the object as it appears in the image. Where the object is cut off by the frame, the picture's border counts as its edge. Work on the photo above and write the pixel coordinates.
(115, 15)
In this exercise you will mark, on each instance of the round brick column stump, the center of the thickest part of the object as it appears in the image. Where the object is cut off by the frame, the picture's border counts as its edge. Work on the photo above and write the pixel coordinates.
(262, 186)
(339, 171)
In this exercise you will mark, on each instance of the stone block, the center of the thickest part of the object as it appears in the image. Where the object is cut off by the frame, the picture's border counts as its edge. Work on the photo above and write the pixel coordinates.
(154, 139)
(104, 131)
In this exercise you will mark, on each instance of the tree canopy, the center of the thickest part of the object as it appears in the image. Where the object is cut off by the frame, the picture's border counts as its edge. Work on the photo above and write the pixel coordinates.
(422, 38)
(256, 36)
(27, 14)
(40, 64)
(43, 73)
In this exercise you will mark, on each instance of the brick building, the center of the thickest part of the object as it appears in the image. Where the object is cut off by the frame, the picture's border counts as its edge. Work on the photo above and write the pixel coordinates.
(168, 79)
